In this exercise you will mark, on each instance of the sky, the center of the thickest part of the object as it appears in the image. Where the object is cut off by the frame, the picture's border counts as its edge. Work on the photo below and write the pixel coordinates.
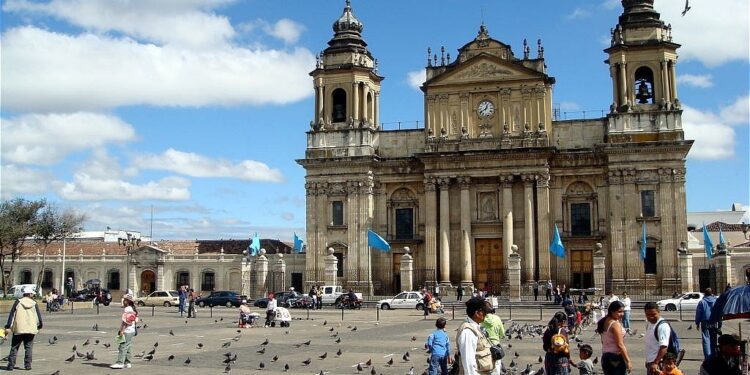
(197, 109)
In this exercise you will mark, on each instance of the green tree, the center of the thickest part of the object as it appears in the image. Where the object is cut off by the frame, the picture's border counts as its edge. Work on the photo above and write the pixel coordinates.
(18, 218)
(54, 224)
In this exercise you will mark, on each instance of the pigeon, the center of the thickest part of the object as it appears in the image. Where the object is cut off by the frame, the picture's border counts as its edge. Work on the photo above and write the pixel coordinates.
(414, 338)
(330, 329)
(265, 342)
(51, 341)
(171, 333)
(171, 357)
(359, 367)
(90, 356)
(236, 338)
(71, 359)
(95, 327)
(369, 362)
(261, 351)
(261, 365)
(148, 357)
(516, 355)
(338, 353)
(307, 342)
(372, 371)
(186, 321)
(527, 370)
(325, 322)
(405, 358)
(512, 363)
(226, 344)
(321, 372)
(88, 341)
(227, 369)
(56, 372)
(145, 326)
(355, 328)
(411, 371)
(221, 319)
(540, 360)
(510, 345)
(200, 345)
(80, 355)
(54, 338)
(152, 352)
(687, 7)
(96, 342)
(286, 367)
(596, 360)
(390, 361)
(156, 344)
(323, 356)
(307, 361)
(107, 345)
(187, 361)
(690, 327)
(338, 340)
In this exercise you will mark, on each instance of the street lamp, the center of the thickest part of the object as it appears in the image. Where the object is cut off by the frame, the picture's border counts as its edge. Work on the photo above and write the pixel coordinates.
(130, 242)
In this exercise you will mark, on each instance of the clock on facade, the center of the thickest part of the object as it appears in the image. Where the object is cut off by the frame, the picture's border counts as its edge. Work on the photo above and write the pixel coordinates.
(485, 108)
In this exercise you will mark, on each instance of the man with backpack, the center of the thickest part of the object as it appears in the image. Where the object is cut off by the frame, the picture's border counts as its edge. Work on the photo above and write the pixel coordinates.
(660, 338)
(702, 317)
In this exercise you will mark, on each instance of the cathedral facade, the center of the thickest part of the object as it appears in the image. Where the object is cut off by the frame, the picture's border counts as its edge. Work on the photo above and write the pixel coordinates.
(493, 172)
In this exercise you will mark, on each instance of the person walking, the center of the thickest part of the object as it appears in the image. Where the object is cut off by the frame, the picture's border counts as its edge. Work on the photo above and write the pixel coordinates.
(25, 321)
(535, 288)
(473, 345)
(495, 330)
(126, 333)
(555, 345)
(702, 321)
(313, 294)
(548, 291)
(615, 358)
(626, 312)
(459, 293)
(439, 346)
(182, 295)
(192, 296)
(319, 292)
(656, 341)
(426, 299)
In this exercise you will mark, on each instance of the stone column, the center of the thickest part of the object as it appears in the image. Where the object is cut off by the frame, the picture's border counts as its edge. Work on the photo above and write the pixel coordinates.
(685, 259)
(723, 262)
(279, 273)
(261, 275)
(247, 269)
(160, 277)
(354, 113)
(331, 269)
(444, 231)
(528, 230)
(407, 270)
(430, 260)
(665, 81)
(672, 79)
(365, 104)
(600, 277)
(623, 84)
(507, 183)
(376, 115)
(514, 275)
(543, 226)
(352, 262)
(134, 285)
(465, 183)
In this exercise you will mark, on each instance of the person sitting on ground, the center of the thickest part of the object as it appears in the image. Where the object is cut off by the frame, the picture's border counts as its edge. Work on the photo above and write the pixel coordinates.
(726, 360)
(669, 365)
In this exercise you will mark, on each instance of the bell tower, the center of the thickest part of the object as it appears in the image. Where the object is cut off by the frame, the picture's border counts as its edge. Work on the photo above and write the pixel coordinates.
(347, 92)
(642, 59)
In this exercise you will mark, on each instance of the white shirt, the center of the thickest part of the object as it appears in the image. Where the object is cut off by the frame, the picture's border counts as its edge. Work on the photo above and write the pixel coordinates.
(271, 305)
(467, 345)
(626, 303)
(653, 345)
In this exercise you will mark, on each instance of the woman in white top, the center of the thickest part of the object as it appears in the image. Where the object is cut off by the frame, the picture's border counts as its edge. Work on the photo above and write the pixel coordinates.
(626, 308)
(270, 309)
(126, 333)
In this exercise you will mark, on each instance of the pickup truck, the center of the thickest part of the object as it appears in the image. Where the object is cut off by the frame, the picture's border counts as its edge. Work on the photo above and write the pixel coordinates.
(332, 293)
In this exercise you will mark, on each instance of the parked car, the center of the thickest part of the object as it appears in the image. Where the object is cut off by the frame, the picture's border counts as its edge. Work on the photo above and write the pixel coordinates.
(166, 298)
(221, 298)
(403, 300)
(98, 295)
(687, 301)
(304, 302)
(283, 299)
(16, 290)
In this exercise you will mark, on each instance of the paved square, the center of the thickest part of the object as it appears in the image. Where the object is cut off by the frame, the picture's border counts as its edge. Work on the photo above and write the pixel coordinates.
(378, 341)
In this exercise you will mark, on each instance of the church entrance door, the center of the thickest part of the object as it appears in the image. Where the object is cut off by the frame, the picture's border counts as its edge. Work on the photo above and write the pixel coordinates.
(148, 281)
(491, 268)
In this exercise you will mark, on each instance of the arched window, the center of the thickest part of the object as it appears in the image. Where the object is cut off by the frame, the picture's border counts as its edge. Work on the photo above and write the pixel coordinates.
(26, 277)
(370, 108)
(208, 281)
(644, 86)
(338, 110)
(182, 278)
(47, 279)
(113, 280)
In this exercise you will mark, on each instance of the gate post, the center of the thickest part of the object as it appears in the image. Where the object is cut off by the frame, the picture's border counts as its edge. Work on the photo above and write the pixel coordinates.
(723, 269)
(685, 260)
(331, 267)
(600, 277)
(514, 274)
(261, 272)
(407, 271)
(279, 273)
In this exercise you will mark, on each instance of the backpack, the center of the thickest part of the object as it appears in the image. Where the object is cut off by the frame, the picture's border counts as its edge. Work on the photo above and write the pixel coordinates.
(674, 341)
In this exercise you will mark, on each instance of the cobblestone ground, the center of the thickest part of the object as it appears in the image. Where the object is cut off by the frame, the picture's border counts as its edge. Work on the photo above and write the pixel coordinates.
(380, 336)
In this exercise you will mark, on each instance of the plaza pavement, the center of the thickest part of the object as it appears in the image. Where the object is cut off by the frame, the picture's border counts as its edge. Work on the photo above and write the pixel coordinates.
(379, 336)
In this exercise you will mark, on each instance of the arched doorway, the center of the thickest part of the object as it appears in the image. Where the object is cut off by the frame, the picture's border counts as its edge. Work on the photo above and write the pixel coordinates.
(148, 281)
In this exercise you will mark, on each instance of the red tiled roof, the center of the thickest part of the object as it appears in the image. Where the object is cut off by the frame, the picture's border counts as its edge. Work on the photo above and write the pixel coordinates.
(714, 227)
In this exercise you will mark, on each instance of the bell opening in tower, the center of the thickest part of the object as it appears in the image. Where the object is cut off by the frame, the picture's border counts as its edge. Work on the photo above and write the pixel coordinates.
(338, 113)
(644, 85)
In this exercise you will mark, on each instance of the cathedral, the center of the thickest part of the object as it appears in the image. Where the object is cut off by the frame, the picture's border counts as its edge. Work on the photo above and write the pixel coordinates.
(494, 174)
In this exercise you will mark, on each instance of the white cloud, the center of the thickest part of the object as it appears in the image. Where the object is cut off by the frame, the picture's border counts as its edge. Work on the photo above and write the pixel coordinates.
(578, 13)
(286, 30)
(737, 113)
(48, 139)
(612, 4)
(702, 81)
(185, 23)
(416, 78)
(714, 139)
(195, 165)
(706, 23)
(569, 106)
(85, 187)
(17, 180)
(101, 165)
(94, 72)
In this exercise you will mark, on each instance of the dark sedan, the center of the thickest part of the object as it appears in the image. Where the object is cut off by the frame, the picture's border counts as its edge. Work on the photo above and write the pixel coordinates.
(221, 298)
(98, 295)
(283, 299)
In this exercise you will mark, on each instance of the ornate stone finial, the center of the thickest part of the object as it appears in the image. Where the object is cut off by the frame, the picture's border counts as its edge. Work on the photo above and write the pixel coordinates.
(329, 251)
(598, 249)
(407, 250)
(429, 54)
(262, 252)
(526, 127)
(483, 34)
(442, 55)
(514, 249)
(539, 49)
(683, 248)
(448, 58)
(434, 59)
(280, 256)
(526, 49)
(221, 250)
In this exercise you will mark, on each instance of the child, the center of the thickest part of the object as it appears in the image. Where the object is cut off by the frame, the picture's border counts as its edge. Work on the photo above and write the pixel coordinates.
(585, 366)
(669, 365)
(439, 346)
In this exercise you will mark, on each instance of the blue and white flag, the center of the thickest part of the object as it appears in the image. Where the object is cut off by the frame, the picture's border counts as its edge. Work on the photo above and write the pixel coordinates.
(707, 243)
(643, 242)
(556, 247)
(297, 244)
(374, 240)
(255, 245)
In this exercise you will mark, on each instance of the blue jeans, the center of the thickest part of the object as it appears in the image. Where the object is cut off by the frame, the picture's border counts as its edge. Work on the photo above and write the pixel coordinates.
(438, 365)
(181, 306)
(708, 340)
(626, 320)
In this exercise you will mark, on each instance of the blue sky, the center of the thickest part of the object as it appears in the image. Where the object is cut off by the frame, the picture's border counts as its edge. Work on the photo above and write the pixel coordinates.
(199, 107)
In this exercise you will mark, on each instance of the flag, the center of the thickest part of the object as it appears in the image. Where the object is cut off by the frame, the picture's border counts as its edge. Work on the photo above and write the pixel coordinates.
(374, 240)
(297, 243)
(707, 243)
(722, 240)
(556, 247)
(643, 242)
(255, 245)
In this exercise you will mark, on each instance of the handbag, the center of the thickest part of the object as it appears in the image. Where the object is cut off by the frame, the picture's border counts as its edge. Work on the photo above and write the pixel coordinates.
(497, 352)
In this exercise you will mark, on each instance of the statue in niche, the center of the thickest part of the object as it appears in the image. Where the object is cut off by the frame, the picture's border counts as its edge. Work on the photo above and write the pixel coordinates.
(487, 211)
(454, 121)
(516, 116)
(464, 132)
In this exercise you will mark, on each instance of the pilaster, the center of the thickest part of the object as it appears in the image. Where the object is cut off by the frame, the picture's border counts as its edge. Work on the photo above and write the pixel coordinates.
(600, 267)
(506, 182)
(444, 183)
(528, 230)
(465, 183)
(430, 253)
(543, 226)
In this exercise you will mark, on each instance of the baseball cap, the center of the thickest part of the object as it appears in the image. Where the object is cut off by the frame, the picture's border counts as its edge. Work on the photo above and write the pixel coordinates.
(28, 290)
(729, 339)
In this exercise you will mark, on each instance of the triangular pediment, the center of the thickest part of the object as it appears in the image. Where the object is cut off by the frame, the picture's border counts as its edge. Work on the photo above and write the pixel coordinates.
(484, 68)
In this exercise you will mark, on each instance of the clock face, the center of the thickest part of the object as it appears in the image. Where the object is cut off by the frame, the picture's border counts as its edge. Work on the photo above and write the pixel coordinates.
(485, 108)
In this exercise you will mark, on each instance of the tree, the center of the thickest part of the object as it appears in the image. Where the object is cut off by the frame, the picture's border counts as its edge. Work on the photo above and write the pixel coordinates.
(54, 225)
(18, 219)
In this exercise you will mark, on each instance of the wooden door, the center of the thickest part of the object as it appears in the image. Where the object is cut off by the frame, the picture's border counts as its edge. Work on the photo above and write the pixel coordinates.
(488, 261)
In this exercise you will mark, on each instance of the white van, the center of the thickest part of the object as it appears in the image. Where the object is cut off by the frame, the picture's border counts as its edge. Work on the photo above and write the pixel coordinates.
(17, 290)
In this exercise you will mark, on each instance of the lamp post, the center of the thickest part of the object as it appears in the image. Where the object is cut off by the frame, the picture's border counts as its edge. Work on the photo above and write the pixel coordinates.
(130, 242)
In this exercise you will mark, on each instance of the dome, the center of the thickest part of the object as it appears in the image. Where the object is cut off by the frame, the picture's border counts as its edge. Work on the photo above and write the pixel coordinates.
(347, 22)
